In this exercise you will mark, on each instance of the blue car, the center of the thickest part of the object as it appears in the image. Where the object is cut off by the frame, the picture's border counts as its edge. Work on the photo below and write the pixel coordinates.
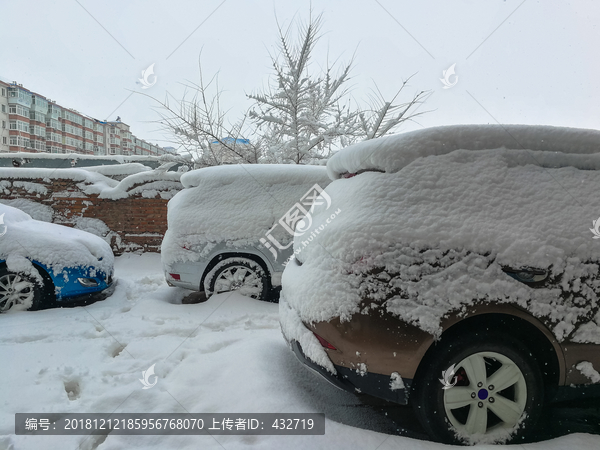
(44, 265)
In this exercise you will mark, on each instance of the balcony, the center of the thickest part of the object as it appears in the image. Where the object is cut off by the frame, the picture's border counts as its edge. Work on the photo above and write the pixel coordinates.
(19, 96)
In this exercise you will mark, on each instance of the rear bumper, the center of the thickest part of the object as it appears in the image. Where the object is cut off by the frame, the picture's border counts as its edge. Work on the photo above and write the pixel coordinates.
(374, 384)
(190, 274)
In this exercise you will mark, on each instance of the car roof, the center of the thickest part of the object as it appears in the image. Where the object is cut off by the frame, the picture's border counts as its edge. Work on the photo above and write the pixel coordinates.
(553, 146)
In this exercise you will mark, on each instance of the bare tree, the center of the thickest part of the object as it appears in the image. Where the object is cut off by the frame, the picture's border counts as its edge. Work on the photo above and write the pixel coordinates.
(199, 125)
(300, 118)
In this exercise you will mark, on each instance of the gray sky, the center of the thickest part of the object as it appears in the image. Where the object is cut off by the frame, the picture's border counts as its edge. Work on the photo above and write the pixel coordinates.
(532, 62)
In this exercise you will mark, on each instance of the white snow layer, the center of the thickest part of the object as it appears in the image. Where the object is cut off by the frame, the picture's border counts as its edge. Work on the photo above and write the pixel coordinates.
(225, 355)
(587, 369)
(148, 184)
(37, 211)
(392, 153)
(53, 245)
(122, 159)
(236, 204)
(117, 169)
(443, 227)
(94, 181)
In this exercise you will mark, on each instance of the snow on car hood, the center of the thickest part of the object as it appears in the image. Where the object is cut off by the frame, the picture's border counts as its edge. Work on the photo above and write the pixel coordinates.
(236, 204)
(55, 246)
(392, 153)
(435, 235)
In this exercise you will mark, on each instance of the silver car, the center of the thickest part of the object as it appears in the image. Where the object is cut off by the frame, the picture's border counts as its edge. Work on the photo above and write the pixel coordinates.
(232, 227)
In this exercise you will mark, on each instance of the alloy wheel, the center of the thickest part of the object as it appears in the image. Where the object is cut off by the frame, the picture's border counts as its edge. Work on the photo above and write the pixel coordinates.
(490, 394)
(16, 291)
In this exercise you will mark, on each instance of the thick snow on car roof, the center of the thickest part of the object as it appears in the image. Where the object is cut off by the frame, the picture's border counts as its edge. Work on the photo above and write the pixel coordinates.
(55, 246)
(265, 174)
(392, 153)
(236, 204)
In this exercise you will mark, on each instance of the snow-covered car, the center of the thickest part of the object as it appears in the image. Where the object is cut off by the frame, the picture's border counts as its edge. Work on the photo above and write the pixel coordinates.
(44, 264)
(460, 276)
(231, 227)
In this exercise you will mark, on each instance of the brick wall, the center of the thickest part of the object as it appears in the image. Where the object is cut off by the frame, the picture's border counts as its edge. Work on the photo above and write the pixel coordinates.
(133, 223)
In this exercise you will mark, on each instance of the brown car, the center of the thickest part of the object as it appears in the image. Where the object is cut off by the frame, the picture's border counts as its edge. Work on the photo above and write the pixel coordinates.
(458, 274)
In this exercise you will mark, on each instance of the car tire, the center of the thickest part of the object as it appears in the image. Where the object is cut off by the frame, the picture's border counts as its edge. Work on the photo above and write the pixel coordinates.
(244, 275)
(456, 410)
(19, 292)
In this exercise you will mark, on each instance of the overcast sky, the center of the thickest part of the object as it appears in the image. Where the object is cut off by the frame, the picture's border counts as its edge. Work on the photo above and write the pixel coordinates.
(531, 62)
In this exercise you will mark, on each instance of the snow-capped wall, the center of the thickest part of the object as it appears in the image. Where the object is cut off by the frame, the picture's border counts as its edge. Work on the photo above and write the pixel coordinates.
(130, 214)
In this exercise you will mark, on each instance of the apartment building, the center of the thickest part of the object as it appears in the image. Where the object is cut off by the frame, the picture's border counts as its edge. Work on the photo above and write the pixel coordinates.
(33, 123)
(4, 122)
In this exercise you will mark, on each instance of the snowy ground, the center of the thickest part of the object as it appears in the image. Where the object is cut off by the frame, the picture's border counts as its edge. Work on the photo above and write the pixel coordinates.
(226, 355)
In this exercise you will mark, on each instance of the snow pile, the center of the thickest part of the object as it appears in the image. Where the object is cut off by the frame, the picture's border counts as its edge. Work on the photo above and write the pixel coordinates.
(147, 183)
(392, 153)
(53, 245)
(435, 233)
(91, 225)
(31, 188)
(89, 182)
(37, 211)
(236, 204)
(112, 170)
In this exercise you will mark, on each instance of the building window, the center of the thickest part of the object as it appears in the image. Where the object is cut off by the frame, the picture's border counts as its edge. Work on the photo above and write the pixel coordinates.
(33, 115)
(19, 141)
(18, 109)
(19, 125)
(3, 108)
(4, 139)
(3, 92)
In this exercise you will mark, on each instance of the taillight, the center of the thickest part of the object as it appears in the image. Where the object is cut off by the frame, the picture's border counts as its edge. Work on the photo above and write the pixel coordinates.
(175, 276)
(324, 343)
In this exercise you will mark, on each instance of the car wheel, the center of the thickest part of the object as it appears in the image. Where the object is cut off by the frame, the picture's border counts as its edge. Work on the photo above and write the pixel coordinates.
(238, 274)
(19, 292)
(490, 391)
